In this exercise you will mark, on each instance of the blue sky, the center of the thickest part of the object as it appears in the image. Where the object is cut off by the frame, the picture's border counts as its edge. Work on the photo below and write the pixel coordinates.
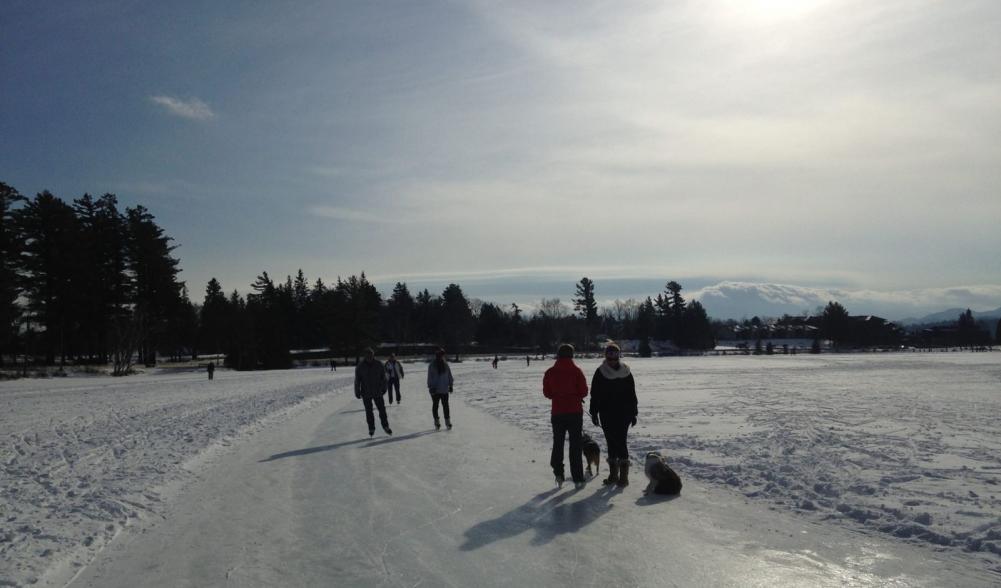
(512, 146)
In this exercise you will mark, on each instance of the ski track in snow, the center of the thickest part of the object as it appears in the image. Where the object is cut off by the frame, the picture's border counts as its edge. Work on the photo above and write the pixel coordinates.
(907, 445)
(82, 458)
(902, 445)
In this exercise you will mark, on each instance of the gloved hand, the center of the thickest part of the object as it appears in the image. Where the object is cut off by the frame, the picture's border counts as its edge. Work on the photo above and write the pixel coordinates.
(594, 419)
(357, 394)
(632, 423)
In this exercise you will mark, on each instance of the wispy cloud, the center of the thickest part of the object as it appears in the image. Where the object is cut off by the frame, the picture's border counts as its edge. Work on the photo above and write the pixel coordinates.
(192, 108)
(351, 215)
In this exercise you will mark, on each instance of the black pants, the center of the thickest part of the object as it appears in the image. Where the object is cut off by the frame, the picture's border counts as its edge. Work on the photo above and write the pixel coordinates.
(370, 416)
(615, 437)
(562, 425)
(443, 399)
(390, 384)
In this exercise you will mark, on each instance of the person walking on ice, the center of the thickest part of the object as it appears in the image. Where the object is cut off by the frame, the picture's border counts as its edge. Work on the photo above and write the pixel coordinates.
(211, 369)
(566, 386)
(440, 383)
(614, 408)
(370, 386)
(394, 373)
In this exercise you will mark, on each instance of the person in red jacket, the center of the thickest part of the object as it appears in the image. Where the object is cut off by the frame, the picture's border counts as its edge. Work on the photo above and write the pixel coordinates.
(566, 386)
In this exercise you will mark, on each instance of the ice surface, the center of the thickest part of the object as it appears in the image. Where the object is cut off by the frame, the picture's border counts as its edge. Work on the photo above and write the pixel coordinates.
(876, 450)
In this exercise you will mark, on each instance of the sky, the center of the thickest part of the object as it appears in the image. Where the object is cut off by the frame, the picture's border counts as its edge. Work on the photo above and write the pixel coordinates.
(517, 146)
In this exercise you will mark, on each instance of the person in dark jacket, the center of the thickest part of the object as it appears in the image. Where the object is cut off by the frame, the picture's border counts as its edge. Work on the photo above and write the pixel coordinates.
(370, 386)
(566, 386)
(614, 409)
(440, 383)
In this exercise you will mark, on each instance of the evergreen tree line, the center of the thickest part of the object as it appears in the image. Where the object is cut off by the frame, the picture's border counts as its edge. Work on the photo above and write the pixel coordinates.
(260, 331)
(87, 282)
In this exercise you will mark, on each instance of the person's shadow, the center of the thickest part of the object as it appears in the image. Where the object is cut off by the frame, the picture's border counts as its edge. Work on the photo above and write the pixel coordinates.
(547, 514)
(368, 441)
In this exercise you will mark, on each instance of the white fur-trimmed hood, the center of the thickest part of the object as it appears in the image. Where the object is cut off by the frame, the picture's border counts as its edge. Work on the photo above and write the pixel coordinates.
(609, 374)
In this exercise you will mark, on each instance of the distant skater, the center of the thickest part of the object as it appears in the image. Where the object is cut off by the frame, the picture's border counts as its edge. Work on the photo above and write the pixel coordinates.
(394, 373)
(370, 386)
(566, 386)
(333, 365)
(494, 362)
(528, 361)
(440, 383)
(211, 369)
(614, 408)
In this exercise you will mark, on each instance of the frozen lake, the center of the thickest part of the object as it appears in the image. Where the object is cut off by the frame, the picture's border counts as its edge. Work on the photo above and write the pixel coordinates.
(905, 448)
(903, 444)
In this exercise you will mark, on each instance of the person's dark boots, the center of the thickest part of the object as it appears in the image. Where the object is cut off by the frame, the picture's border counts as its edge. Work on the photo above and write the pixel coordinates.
(559, 479)
(437, 425)
(371, 432)
(623, 473)
(448, 423)
(613, 472)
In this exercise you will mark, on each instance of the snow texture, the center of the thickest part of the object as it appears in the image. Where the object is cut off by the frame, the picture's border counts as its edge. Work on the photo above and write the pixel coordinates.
(907, 445)
(82, 458)
(902, 448)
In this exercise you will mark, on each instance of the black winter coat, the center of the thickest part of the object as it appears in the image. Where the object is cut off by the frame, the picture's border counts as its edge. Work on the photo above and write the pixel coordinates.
(613, 399)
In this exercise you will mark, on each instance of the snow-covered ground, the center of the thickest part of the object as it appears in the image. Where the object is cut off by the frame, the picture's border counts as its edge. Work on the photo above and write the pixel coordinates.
(83, 457)
(860, 469)
(903, 444)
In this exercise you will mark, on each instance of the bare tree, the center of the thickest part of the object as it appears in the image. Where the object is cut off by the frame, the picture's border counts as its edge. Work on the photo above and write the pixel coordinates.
(127, 334)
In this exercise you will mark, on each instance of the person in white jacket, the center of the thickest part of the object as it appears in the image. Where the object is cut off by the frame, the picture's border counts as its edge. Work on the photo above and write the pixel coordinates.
(440, 384)
(394, 373)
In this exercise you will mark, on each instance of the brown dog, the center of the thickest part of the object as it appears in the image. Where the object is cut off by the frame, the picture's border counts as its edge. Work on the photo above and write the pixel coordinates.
(663, 480)
(592, 453)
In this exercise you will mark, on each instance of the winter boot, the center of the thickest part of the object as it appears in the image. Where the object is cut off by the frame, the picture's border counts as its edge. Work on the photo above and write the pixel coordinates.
(437, 425)
(387, 430)
(448, 424)
(613, 472)
(623, 473)
(560, 479)
(371, 432)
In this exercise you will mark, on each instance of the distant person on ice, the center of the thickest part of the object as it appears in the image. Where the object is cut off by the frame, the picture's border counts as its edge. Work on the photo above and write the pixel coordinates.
(440, 384)
(613, 408)
(394, 373)
(333, 365)
(211, 369)
(370, 385)
(496, 359)
(566, 386)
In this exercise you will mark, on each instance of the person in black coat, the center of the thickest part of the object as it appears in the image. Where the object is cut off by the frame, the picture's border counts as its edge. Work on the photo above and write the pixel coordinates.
(614, 409)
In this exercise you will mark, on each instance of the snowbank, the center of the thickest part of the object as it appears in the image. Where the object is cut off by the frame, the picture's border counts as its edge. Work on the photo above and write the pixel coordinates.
(84, 457)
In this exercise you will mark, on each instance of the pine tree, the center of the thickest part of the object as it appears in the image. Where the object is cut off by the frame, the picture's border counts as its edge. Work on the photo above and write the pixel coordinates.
(10, 278)
(155, 289)
(586, 306)
(101, 272)
(457, 320)
(49, 260)
(835, 324)
(214, 319)
(400, 314)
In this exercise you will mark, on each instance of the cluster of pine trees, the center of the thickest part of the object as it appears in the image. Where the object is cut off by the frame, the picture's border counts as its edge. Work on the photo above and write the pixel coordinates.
(87, 282)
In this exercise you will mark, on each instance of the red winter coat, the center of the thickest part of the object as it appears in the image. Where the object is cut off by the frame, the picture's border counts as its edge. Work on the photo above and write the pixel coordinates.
(566, 385)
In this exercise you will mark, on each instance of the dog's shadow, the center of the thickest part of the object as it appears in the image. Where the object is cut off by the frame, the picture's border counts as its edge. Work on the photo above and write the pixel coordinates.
(548, 514)
(653, 498)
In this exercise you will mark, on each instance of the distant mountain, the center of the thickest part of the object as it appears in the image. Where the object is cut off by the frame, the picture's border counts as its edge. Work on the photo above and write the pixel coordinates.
(739, 300)
(952, 315)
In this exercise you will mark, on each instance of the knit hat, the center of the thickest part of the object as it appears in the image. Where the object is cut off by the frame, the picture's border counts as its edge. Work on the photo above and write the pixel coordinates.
(565, 351)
